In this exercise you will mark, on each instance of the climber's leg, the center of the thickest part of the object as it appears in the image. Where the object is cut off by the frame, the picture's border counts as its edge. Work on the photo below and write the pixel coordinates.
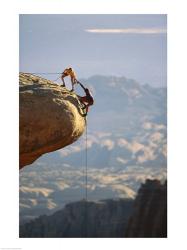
(73, 83)
(62, 78)
(87, 107)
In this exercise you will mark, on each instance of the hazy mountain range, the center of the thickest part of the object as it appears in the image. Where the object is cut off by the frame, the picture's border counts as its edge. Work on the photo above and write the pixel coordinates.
(106, 218)
(127, 138)
(146, 216)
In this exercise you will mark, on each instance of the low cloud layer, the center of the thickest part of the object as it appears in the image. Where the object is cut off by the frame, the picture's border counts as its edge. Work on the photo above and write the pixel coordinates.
(129, 31)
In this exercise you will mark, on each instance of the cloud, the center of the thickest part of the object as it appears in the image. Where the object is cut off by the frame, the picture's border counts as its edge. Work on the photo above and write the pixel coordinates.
(134, 146)
(148, 155)
(164, 150)
(50, 204)
(108, 143)
(61, 185)
(70, 150)
(149, 125)
(36, 191)
(122, 142)
(156, 137)
(121, 160)
(103, 134)
(129, 31)
(122, 189)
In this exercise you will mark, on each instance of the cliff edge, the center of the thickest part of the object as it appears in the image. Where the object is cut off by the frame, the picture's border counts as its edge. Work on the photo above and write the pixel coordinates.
(50, 117)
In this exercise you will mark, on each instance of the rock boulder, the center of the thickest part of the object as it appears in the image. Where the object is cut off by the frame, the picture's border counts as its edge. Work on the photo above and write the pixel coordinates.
(50, 117)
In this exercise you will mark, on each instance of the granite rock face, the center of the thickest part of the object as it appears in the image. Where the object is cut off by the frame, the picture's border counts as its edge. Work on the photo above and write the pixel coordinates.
(50, 117)
(149, 216)
(102, 219)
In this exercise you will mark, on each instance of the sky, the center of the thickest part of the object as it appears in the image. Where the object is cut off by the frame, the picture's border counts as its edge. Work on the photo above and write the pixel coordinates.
(134, 46)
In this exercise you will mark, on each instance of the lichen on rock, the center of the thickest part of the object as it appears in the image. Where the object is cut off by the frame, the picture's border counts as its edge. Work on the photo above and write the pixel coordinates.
(50, 117)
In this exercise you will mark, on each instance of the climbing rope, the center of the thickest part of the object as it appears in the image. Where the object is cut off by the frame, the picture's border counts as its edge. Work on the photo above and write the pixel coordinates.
(57, 79)
(86, 163)
(86, 180)
(46, 73)
(43, 73)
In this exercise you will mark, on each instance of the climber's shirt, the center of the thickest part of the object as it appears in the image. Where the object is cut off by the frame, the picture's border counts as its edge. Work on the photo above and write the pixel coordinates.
(69, 72)
(89, 97)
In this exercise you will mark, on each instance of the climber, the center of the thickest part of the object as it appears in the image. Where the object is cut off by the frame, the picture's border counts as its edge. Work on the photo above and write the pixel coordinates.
(71, 73)
(87, 100)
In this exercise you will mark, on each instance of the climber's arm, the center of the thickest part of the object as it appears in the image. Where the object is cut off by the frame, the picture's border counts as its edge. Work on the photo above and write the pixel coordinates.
(81, 85)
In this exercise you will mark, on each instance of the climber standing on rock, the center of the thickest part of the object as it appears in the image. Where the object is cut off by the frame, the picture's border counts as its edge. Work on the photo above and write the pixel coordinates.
(69, 72)
(87, 100)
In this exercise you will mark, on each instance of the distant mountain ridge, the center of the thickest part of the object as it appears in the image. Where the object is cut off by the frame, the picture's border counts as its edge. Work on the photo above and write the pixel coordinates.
(127, 102)
(130, 90)
(107, 218)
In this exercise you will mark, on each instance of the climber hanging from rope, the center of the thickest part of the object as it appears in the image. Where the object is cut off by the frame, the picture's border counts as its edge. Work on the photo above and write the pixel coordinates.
(86, 100)
(69, 72)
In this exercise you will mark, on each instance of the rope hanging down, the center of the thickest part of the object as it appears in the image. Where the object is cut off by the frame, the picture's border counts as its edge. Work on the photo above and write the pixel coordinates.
(86, 164)
(86, 181)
